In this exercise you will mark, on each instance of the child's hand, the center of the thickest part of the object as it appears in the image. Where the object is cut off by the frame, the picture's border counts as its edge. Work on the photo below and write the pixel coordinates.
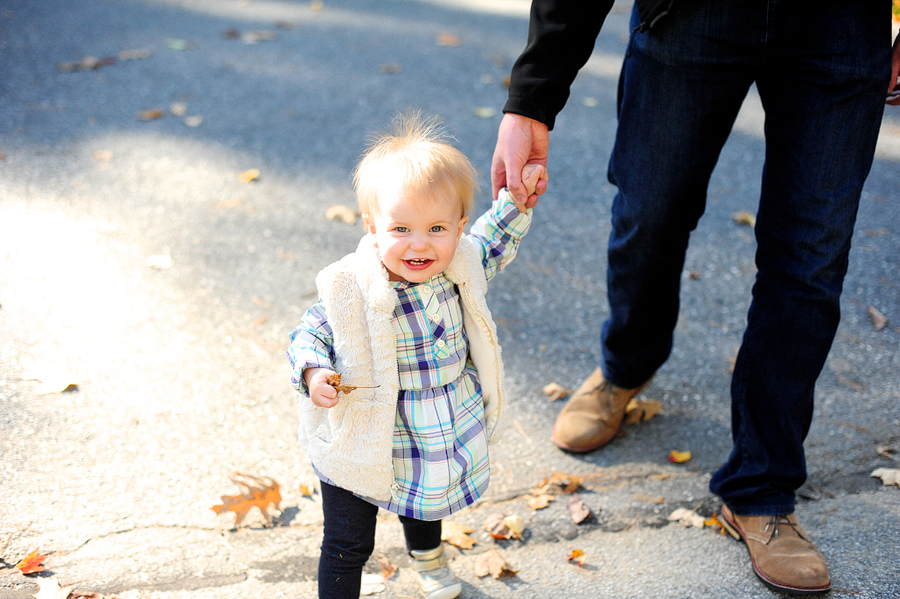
(320, 392)
(532, 174)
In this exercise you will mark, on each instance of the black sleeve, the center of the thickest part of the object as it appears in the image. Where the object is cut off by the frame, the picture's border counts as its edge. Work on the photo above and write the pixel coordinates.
(561, 37)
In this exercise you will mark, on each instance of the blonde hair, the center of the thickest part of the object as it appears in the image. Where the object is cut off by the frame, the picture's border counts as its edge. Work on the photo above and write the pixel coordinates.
(414, 155)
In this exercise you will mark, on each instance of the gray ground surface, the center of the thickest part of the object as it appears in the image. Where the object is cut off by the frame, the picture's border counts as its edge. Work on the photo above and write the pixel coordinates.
(181, 373)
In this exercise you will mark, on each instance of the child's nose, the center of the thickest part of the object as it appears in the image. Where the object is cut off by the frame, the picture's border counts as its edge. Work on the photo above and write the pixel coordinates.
(419, 242)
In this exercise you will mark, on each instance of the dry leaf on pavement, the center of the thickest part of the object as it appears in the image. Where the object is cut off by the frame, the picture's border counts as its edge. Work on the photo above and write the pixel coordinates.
(641, 410)
(31, 563)
(568, 482)
(256, 491)
(493, 563)
(371, 584)
(249, 175)
(388, 568)
(555, 391)
(577, 556)
(448, 39)
(879, 320)
(50, 589)
(539, 502)
(342, 213)
(687, 517)
(577, 509)
(888, 476)
(743, 217)
(504, 527)
(679, 457)
(457, 534)
(151, 114)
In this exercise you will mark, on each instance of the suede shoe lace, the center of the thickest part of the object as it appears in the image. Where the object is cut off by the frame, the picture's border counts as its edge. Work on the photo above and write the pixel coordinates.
(783, 556)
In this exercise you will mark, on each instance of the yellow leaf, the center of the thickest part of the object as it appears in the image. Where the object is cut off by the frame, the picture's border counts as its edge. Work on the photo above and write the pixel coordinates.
(457, 534)
(679, 457)
(641, 410)
(555, 391)
(247, 176)
(577, 556)
(743, 217)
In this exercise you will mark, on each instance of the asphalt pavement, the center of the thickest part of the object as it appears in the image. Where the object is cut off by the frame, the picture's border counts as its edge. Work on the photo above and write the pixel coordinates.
(138, 271)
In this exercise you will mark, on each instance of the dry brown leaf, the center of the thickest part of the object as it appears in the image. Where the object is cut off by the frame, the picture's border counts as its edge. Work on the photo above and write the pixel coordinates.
(342, 213)
(256, 491)
(568, 482)
(888, 476)
(743, 217)
(577, 509)
(371, 584)
(649, 499)
(457, 534)
(249, 175)
(539, 502)
(687, 517)
(50, 589)
(448, 39)
(335, 381)
(879, 320)
(493, 563)
(555, 391)
(388, 568)
(577, 556)
(151, 114)
(504, 527)
(679, 457)
(641, 410)
(31, 563)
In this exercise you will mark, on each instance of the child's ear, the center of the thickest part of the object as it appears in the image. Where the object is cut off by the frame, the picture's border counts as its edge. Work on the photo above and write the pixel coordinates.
(462, 223)
(369, 223)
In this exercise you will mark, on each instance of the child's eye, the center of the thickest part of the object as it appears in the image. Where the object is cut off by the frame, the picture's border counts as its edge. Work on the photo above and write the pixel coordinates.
(437, 229)
(401, 229)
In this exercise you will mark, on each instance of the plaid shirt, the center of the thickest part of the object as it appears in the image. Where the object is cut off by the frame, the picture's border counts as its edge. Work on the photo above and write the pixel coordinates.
(440, 454)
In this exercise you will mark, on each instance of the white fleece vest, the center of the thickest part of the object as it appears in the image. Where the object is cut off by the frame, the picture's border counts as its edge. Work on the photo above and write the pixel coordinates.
(352, 442)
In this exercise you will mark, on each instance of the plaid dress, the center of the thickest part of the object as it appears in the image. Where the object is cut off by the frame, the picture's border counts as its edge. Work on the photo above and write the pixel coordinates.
(440, 452)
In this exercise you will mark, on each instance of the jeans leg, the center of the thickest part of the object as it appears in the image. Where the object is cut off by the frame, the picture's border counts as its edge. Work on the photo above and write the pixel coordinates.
(348, 541)
(823, 92)
(678, 98)
(421, 535)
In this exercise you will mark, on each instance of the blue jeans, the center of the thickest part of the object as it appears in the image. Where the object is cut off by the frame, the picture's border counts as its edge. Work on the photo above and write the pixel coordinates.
(822, 71)
(349, 540)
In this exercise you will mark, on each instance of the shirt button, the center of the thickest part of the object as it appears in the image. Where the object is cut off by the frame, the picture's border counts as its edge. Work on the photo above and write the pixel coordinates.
(436, 317)
(440, 343)
(426, 289)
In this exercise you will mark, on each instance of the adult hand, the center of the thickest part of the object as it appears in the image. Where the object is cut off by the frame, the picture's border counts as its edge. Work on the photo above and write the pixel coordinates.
(520, 141)
(320, 392)
(893, 89)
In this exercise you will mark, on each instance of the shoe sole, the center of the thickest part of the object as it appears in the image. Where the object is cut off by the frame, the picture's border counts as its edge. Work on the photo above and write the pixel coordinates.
(735, 531)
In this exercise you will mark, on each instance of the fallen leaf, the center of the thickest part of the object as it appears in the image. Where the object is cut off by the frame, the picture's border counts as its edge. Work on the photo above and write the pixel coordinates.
(335, 381)
(577, 509)
(504, 527)
(577, 556)
(484, 112)
(743, 217)
(178, 109)
(457, 534)
(52, 381)
(886, 451)
(641, 410)
(888, 476)
(193, 121)
(686, 518)
(493, 563)
(390, 69)
(679, 457)
(159, 261)
(32, 563)
(135, 54)
(879, 320)
(649, 499)
(448, 39)
(256, 491)
(371, 584)
(150, 114)
(694, 275)
(714, 521)
(50, 589)
(555, 391)
(342, 213)
(250, 175)
(539, 502)
(388, 568)
(103, 155)
(570, 483)
(307, 490)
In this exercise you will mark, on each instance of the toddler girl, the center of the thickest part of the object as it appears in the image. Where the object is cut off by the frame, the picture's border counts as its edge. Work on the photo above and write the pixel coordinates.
(404, 320)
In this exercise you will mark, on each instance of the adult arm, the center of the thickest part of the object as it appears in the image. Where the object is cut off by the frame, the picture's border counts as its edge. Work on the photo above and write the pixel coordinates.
(561, 37)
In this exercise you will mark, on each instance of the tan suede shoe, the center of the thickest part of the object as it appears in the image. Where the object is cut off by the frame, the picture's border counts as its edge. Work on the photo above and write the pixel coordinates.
(783, 556)
(593, 415)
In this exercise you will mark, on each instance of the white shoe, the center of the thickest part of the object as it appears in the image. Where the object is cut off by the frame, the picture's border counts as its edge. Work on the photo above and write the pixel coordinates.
(435, 578)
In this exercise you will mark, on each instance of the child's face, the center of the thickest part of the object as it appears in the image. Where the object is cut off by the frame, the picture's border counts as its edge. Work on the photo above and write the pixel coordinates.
(416, 238)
